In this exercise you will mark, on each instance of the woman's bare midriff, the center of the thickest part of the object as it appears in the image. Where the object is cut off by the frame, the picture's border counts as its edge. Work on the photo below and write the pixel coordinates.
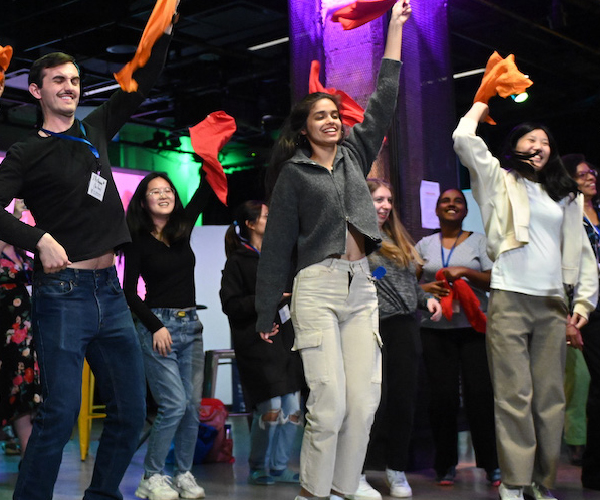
(355, 245)
(101, 262)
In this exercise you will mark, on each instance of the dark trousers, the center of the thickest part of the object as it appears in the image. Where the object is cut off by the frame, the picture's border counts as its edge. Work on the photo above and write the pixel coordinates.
(451, 357)
(394, 418)
(590, 472)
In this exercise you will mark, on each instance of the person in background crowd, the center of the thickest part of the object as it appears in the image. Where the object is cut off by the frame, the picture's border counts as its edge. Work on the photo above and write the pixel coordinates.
(271, 374)
(20, 389)
(394, 268)
(453, 350)
(586, 176)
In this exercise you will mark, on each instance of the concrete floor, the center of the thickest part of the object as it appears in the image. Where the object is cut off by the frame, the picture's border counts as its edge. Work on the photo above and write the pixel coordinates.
(228, 481)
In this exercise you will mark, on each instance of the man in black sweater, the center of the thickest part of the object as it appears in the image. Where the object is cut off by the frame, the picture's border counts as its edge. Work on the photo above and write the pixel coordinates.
(63, 172)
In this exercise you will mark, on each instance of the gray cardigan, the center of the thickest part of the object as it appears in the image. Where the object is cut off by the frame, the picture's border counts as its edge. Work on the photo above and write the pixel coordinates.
(312, 206)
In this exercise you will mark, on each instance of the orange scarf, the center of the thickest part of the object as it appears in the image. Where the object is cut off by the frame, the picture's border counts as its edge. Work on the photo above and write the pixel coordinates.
(160, 19)
(501, 78)
(208, 138)
(5, 57)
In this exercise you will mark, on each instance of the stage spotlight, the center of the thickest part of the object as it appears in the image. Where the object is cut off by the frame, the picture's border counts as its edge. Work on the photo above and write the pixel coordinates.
(519, 98)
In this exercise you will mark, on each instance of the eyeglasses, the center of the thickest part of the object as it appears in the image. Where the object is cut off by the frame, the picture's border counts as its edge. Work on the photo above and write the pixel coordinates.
(583, 175)
(157, 193)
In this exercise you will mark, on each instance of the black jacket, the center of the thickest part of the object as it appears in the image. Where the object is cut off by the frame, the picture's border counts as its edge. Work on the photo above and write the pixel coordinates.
(266, 370)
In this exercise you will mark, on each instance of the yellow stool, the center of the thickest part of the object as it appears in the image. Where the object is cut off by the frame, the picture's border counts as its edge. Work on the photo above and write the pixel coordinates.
(87, 412)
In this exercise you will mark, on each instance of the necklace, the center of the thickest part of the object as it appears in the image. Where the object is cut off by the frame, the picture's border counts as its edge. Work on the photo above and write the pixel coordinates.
(445, 262)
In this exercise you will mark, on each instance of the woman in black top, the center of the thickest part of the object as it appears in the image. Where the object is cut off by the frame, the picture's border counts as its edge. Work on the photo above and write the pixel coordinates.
(169, 330)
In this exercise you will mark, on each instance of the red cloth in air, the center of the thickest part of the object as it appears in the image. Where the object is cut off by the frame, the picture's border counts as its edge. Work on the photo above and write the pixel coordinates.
(352, 113)
(5, 57)
(461, 291)
(501, 78)
(361, 12)
(208, 138)
(160, 19)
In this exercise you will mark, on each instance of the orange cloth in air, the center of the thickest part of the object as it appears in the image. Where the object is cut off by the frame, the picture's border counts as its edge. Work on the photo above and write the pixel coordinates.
(501, 77)
(208, 138)
(5, 57)
(352, 113)
(361, 12)
(159, 20)
(461, 291)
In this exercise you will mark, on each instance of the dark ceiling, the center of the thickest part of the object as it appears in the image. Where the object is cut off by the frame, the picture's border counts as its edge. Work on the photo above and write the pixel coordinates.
(556, 42)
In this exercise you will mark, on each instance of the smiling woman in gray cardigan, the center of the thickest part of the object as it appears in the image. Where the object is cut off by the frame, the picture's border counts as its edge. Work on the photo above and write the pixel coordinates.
(322, 210)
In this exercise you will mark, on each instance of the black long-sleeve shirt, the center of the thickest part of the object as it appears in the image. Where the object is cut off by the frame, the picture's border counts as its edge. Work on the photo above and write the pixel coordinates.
(168, 271)
(52, 175)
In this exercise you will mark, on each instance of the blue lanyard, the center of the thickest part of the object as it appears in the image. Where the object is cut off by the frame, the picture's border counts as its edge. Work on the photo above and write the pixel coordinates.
(250, 247)
(445, 262)
(91, 147)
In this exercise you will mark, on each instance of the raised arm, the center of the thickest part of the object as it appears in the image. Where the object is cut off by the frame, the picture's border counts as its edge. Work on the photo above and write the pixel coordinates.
(400, 14)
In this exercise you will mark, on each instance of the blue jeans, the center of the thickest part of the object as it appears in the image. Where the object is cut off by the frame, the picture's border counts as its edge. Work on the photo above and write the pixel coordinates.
(271, 442)
(172, 380)
(77, 313)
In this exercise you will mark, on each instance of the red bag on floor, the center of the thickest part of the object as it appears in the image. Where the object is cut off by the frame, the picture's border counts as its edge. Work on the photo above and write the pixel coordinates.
(214, 414)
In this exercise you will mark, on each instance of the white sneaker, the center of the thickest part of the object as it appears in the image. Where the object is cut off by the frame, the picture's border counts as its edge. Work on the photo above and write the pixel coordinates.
(538, 492)
(156, 487)
(510, 493)
(365, 491)
(398, 484)
(187, 486)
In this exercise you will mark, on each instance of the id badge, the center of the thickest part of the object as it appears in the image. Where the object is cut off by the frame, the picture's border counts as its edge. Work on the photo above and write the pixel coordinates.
(97, 186)
(284, 314)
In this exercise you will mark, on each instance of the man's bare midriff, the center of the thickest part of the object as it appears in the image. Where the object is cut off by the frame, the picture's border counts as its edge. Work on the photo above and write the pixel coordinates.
(101, 262)
(355, 245)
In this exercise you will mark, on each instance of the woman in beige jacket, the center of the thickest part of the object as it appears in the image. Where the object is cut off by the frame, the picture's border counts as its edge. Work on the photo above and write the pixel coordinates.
(531, 213)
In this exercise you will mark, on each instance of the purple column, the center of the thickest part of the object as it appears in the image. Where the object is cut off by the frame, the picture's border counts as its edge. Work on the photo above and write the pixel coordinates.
(422, 145)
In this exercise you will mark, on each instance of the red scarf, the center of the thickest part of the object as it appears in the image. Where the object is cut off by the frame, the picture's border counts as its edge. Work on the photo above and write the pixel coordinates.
(208, 138)
(461, 291)
(361, 12)
(352, 113)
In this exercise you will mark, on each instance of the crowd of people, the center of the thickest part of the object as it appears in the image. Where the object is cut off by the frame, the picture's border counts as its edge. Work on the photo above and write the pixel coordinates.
(322, 288)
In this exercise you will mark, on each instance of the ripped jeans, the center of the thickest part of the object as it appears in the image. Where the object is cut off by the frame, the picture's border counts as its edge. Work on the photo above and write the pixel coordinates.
(271, 441)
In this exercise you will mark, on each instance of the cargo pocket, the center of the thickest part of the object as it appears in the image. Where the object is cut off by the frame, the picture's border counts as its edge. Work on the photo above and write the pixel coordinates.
(309, 345)
(376, 376)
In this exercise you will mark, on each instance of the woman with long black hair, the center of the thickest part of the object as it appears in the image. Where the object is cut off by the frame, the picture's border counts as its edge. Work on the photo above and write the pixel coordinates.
(169, 330)
(532, 216)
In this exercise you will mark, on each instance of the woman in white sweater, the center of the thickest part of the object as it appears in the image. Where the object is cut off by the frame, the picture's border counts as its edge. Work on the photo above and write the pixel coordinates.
(531, 213)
